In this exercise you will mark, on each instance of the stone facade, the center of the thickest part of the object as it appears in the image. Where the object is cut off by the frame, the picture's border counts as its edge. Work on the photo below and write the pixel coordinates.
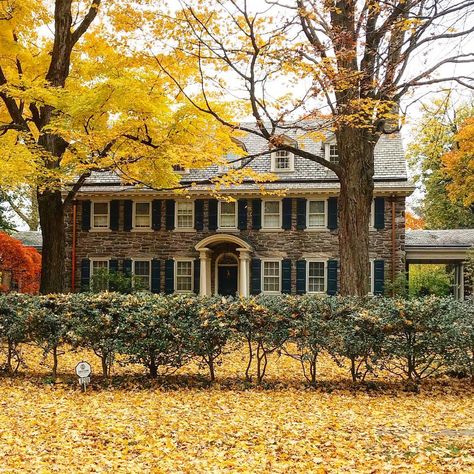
(290, 244)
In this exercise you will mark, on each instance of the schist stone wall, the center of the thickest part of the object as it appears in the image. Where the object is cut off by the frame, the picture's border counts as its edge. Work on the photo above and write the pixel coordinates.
(290, 244)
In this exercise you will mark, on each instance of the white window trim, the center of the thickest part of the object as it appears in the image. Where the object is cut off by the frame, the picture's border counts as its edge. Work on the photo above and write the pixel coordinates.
(234, 227)
(372, 215)
(273, 167)
(134, 214)
(324, 226)
(327, 149)
(91, 267)
(176, 260)
(184, 229)
(262, 276)
(133, 269)
(100, 229)
(281, 214)
(316, 260)
(372, 280)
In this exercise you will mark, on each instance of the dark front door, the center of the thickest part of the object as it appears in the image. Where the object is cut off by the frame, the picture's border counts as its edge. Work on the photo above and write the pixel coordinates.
(227, 280)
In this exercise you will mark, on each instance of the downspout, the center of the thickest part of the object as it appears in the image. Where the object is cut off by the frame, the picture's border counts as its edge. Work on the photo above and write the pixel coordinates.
(73, 251)
(394, 247)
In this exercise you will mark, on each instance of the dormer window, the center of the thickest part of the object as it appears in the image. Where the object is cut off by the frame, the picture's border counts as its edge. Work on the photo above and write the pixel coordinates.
(180, 169)
(282, 160)
(332, 153)
(234, 160)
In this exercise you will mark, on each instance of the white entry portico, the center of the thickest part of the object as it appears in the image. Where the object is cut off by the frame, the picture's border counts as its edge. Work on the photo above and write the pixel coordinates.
(208, 249)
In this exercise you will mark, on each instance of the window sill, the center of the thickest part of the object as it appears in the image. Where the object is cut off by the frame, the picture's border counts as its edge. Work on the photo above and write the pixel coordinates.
(316, 229)
(271, 292)
(272, 229)
(185, 230)
(227, 229)
(145, 229)
(100, 230)
(283, 171)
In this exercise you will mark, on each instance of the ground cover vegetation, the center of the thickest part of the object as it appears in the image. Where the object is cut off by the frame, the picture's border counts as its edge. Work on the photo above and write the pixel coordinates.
(180, 422)
(410, 339)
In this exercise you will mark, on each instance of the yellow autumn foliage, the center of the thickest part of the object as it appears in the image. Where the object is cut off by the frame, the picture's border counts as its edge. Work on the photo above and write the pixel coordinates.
(183, 426)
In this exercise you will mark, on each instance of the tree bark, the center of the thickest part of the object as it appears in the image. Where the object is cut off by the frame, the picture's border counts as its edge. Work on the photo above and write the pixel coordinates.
(356, 151)
(51, 211)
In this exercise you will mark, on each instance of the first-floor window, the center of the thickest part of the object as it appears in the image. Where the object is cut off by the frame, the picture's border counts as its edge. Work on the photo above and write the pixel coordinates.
(271, 276)
(100, 215)
(99, 275)
(370, 288)
(316, 277)
(184, 275)
(141, 274)
(227, 215)
(271, 214)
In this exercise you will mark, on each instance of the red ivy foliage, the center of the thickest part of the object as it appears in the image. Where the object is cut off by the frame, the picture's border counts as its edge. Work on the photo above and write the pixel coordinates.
(23, 263)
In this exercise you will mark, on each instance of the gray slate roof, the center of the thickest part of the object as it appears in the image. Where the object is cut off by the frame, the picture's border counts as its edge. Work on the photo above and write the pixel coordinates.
(29, 238)
(440, 238)
(390, 166)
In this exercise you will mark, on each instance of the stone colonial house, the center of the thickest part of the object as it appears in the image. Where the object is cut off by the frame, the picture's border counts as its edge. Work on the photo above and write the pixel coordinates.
(261, 242)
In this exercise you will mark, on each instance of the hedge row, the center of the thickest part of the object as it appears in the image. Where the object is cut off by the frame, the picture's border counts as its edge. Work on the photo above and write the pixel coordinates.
(414, 338)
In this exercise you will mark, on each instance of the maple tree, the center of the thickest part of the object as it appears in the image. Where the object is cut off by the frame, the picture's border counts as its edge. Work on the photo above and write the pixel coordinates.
(318, 66)
(459, 165)
(20, 265)
(75, 99)
(413, 222)
(433, 155)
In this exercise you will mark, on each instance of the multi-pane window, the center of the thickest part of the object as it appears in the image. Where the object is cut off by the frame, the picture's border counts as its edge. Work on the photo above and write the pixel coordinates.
(99, 275)
(333, 154)
(271, 276)
(184, 275)
(282, 160)
(100, 213)
(184, 214)
(142, 215)
(316, 277)
(370, 288)
(141, 274)
(316, 214)
(227, 215)
(271, 214)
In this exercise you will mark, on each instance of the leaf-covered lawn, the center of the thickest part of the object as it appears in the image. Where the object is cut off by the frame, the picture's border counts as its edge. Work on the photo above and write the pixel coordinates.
(184, 427)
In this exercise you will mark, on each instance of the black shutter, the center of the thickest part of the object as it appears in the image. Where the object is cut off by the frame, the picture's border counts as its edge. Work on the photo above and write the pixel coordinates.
(127, 215)
(256, 214)
(301, 213)
(199, 214)
(286, 276)
(256, 278)
(169, 276)
(379, 277)
(286, 220)
(301, 277)
(114, 214)
(332, 277)
(86, 215)
(379, 213)
(197, 275)
(212, 214)
(155, 276)
(332, 213)
(242, 214)
(170, 224)
(113, 269)
(127, 267)
(85, 274)
(156, 214)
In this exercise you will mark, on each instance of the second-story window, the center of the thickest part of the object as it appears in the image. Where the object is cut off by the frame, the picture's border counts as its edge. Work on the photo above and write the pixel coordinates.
(184, 214)
(271, 214)
(227, 215)
(142, 215)
(100, 215)
(316, 214)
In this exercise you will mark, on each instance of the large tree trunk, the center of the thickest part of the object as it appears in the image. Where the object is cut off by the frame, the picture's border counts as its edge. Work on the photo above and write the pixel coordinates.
(51, 211)
(356, 151)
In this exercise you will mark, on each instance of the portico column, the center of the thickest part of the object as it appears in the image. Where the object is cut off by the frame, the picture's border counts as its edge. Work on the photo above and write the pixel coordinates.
(244, 271)
(205, 272)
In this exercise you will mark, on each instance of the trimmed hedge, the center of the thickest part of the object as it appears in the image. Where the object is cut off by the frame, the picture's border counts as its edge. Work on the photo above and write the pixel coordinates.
(412, 339)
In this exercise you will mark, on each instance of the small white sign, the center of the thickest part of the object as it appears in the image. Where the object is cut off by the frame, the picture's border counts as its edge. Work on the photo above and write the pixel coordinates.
(83, 370)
